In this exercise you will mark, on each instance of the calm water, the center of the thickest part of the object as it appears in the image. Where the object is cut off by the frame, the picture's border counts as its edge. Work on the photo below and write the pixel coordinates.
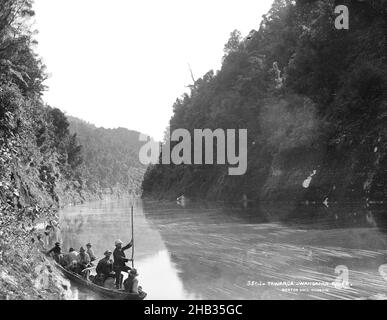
(208, 251)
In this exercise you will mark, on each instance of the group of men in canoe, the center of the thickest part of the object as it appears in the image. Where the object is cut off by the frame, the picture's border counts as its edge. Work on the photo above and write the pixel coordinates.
(82, 262)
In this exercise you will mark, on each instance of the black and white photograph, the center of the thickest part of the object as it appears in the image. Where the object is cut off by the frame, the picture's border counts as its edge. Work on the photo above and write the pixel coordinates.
(198, 151)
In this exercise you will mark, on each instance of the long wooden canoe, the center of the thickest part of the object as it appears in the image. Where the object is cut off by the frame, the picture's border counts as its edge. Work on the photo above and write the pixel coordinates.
(110, 293)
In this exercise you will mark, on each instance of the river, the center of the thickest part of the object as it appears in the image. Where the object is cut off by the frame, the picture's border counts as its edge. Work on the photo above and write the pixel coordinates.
(213, 251)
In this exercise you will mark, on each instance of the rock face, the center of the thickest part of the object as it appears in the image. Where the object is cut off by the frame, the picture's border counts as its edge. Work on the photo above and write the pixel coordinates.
(26, 274)
(39, 160)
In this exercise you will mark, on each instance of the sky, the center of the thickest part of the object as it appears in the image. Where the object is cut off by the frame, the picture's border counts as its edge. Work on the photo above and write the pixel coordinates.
(123, 63)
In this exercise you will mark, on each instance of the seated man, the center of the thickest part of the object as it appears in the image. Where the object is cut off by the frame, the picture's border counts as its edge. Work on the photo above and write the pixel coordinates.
(104, 269)
(56, 252)
(73, 267)
(83, 262)
(90, 252)
(69, 257)
(73, 254)
(131, 283)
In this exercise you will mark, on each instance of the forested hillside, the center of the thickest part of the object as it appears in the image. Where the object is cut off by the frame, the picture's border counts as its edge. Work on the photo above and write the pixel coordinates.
(39, 158)
(313, 99)
(110, 157)
(42, 163)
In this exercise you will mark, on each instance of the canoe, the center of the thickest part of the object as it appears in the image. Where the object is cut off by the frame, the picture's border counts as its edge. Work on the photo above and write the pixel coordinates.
(109, 293)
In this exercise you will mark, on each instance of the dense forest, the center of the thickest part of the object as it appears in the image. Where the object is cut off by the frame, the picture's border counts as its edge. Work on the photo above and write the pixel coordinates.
(110, 158)
(313, 99)
(42, 163)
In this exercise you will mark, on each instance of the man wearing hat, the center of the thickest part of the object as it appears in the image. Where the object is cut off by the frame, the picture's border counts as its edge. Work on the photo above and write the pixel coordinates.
(90, 252)
(105, 268)
(83, 261)
(131, 283)
(57, 252)
(120, 260)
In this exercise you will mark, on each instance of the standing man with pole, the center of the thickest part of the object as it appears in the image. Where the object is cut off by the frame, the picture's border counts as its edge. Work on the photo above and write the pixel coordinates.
(132, 238)
(119, 264)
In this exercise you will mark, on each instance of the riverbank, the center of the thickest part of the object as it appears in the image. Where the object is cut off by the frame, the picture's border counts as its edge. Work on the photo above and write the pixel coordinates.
(26, 273)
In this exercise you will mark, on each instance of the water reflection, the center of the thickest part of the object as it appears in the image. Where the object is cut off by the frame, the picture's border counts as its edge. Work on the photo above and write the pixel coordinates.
(210, 251)
(161, 276)
(104, 221)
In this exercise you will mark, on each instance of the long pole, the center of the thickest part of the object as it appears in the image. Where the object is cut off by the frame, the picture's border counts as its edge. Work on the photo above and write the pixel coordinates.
(132, 238)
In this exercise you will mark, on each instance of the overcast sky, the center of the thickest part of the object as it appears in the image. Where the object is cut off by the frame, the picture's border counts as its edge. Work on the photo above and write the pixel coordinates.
(123, 62)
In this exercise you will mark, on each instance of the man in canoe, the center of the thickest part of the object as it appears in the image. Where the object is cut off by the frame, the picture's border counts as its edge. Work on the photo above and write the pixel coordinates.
(83, 262)
(90, 252)
(69, 257)
(56, 252)
(104, 269)
(120, 260)
(131, 283)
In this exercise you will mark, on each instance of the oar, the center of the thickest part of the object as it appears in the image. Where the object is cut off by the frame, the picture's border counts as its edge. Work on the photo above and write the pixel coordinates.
(93, 267)
(88, 269)
(132, 239)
